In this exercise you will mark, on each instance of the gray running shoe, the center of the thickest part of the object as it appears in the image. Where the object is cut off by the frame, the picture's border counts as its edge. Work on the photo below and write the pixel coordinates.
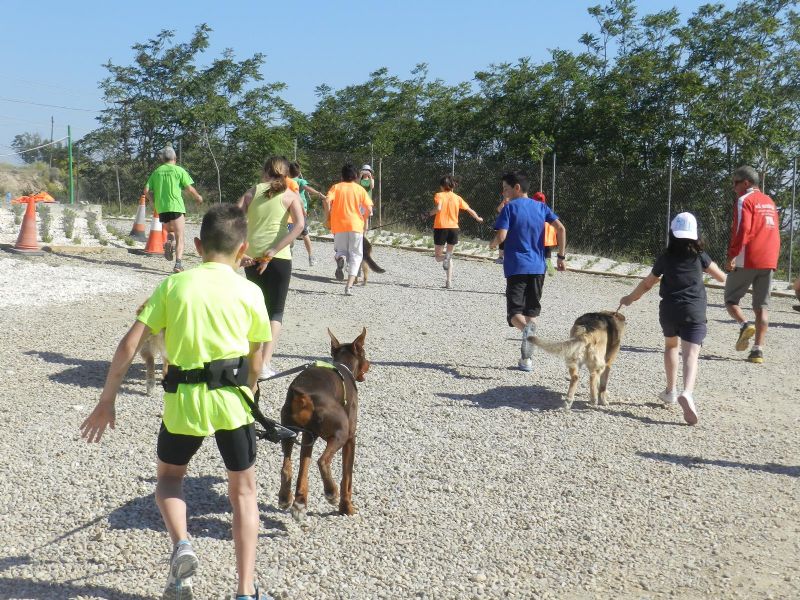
(169, 247)
(525, 364)
(526, 349)
(310, 260)
(446, 261)
(340, 268)
(182, 565)
(348, 291)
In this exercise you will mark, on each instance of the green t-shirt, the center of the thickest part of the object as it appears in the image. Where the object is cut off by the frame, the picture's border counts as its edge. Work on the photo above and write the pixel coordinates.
(302, 183)
(166, 183)
(365, 183)
(209, 313)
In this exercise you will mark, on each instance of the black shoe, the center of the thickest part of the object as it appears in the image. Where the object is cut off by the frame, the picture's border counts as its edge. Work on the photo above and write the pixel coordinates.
(340, 268)
(796, 307)
(755, 356)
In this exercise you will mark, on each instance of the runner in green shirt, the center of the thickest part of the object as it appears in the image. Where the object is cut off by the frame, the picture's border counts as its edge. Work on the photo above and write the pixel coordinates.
(164, 187)
(209, 314)
(297, 176)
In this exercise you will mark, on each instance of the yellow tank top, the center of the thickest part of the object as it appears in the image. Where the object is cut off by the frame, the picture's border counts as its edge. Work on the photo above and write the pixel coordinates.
(266, 223)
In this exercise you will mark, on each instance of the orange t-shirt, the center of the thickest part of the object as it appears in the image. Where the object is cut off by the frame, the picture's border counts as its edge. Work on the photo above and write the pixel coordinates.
(291, 184)
(447, 217)
(350, 206)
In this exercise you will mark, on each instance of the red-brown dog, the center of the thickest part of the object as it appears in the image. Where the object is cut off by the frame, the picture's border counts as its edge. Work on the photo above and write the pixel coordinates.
(324, 403)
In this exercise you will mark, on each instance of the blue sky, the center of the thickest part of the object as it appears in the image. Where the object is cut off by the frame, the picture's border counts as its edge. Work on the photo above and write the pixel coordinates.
(52, 52)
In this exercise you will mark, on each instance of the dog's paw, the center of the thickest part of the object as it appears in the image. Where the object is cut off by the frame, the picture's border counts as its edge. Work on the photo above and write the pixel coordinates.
(567, 404)
(604, 399)
(299, 512)
(347, 508)
(284, 504)
(333, 499)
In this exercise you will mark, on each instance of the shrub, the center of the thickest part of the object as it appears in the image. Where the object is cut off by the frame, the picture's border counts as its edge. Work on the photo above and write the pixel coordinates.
(69, 223)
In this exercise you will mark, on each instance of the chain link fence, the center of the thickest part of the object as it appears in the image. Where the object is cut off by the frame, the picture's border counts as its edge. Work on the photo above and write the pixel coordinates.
(620, 213)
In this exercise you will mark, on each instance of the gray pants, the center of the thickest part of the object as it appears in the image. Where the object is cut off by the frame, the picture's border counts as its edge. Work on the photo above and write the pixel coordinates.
(349, 244)
(740, 280)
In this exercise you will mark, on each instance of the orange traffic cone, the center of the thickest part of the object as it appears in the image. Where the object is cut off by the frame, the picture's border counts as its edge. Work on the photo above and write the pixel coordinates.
(26, 242)
(155, 242)
(138, 232)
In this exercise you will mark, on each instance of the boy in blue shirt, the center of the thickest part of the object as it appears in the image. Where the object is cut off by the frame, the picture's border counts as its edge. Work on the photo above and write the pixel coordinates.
(520, 225)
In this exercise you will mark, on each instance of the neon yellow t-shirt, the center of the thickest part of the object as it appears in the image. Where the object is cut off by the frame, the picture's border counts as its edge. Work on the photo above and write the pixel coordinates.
(166, 183)
(209, 313)
(266, 223)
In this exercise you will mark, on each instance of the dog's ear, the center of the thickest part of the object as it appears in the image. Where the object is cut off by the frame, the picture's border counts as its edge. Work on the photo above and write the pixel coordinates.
(619, 317)
(359, 341)
(334, 342)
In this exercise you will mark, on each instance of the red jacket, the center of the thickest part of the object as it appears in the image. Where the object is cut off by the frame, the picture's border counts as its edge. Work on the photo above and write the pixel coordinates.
(755, 233)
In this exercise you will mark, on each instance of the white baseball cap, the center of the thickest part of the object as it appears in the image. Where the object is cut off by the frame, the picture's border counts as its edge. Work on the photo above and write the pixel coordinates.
(366, 168)
(684, 226)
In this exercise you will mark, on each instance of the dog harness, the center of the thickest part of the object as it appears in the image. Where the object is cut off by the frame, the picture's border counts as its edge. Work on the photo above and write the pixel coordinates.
(340, 369)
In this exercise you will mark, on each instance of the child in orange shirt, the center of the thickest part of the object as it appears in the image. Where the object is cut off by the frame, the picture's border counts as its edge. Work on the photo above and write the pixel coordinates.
(445, 225)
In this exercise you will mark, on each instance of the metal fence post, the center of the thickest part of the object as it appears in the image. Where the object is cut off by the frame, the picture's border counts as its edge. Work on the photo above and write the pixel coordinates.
(380, 191)
(453, 168)
(791, 222)
(669, 197)
(553, 193)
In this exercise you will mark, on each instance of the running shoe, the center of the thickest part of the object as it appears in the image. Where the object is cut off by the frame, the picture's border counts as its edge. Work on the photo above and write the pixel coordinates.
(669, 398)
(756, 356)
(178, 267)
(526, 349)
(498, 260)
(257, 596)
(348, 291)
(310, 260)
(182, 565)
(747, 331)
(525, 364)
(689, 411)
(446, 262)
(267, 372)
(340, 268)
(169, 247)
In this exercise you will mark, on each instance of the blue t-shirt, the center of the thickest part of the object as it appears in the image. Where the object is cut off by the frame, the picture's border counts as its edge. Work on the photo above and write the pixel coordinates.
(524, 220)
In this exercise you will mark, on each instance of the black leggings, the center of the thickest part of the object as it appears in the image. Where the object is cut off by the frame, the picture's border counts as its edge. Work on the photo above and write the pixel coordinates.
(274, 284)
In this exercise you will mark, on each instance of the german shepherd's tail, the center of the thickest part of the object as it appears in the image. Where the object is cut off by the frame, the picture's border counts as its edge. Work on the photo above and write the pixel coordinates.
(368, 258)
(567, 348)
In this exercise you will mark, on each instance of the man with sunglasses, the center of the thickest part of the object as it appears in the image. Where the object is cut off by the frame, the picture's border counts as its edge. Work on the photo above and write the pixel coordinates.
(752, 258)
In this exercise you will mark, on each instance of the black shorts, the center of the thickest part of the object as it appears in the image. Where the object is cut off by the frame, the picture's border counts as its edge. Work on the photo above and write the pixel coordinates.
(166, 217)
(237, 447)
(523, 293)
(445, 236)
(274, 284)
(694, 333)
(303, 233)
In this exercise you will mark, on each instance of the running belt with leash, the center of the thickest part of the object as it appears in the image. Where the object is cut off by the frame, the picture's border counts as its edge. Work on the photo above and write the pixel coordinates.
(234, 372)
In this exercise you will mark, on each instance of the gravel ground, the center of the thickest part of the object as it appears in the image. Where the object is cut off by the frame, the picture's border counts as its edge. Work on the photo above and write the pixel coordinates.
(469, 479)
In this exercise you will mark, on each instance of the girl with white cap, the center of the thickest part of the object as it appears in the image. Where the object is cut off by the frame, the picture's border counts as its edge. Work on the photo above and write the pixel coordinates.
(682, 312)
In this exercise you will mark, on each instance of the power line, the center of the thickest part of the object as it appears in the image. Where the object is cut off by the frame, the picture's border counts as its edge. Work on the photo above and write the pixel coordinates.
(47, 105)
(36, 148)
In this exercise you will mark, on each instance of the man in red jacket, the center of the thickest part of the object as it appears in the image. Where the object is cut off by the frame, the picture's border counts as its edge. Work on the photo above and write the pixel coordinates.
(752, 258)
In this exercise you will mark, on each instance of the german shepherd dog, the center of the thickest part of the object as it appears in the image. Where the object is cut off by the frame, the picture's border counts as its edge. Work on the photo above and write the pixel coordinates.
(367, 264)
(594, 341)
(150, 347)
(323, 402)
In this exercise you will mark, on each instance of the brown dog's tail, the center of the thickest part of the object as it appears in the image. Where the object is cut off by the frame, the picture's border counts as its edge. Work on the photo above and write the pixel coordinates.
(368, 258)
(565, 349)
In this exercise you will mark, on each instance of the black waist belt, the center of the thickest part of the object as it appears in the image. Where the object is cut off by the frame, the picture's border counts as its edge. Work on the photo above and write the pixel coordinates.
(226, 372)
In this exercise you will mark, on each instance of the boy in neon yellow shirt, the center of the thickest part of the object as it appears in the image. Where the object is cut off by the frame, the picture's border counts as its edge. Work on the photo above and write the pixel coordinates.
(209, 313)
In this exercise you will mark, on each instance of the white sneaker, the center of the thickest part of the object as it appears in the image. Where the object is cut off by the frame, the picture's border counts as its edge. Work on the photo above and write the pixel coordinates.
(310, 260)
(446, 262)
(689, 411)
(525, 364)
(348, 291)
(526, 348)
(669, 398)
(498, 260)
(267, 372)
(182, 565)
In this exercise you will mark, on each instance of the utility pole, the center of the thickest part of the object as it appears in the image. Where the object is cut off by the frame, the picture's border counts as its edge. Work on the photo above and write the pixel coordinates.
(51, 141)
(69, 160)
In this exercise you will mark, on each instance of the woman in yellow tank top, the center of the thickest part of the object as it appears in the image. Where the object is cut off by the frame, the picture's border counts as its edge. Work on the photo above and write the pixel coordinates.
(268, 262)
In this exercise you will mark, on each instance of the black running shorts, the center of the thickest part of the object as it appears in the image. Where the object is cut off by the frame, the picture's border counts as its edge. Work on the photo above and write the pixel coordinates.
(523, 293)
(237, 447)
(166, 217)
(274, 284)
(445, 236)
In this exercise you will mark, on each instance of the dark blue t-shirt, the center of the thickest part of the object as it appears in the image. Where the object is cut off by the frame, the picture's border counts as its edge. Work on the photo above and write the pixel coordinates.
(524, 220)
(683, 294)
